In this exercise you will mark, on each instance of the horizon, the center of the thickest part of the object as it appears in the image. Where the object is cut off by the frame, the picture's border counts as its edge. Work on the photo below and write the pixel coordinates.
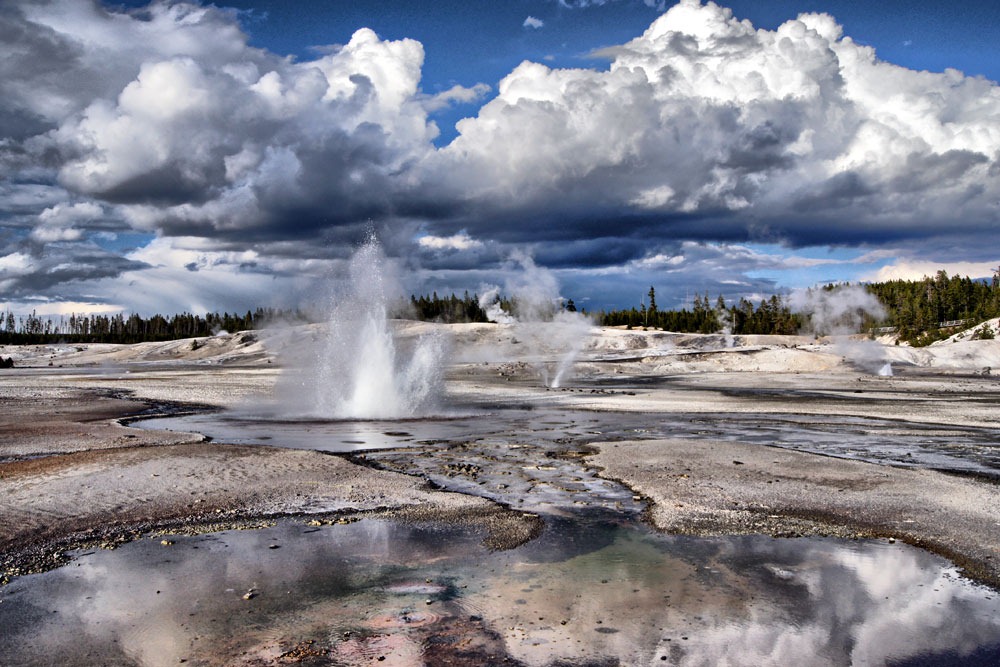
(183, 157)
(797, 300)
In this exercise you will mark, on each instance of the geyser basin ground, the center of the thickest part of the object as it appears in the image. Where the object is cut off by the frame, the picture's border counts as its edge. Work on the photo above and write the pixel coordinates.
(70, 477)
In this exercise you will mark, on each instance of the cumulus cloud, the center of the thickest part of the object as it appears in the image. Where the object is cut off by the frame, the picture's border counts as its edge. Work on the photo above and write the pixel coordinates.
(532, 22)
(187, 274)
(735, 257)
(703, 129)
(169, 113)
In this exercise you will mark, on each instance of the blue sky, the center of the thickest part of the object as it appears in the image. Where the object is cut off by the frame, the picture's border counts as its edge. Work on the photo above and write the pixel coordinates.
(186, 156)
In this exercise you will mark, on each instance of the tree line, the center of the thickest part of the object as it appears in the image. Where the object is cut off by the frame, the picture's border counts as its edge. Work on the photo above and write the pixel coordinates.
(770, 316)
(453, 309)
(919, 311)
(119, 328)
(450, 309)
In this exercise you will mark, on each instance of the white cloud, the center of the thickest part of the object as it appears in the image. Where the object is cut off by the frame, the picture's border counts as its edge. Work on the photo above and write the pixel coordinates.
(660, 261)
(58, 308)
(56, 223)
(907, 269)
(63, 214)
(532, 22)
(456, 95)
(15, 264)
(653, 198)
(705, 115)
(456, 242)
(177, 111)
(51, 234)
(732, 256)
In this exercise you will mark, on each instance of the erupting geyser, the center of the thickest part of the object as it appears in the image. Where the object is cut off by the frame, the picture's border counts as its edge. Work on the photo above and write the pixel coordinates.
(540, 323)
(361, 373)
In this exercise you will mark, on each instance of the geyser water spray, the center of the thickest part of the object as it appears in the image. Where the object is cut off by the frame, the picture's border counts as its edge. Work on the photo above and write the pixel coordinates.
(362, 371)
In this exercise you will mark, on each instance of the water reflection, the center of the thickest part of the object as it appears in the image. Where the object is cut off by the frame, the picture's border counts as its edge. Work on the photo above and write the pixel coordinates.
(586, 592)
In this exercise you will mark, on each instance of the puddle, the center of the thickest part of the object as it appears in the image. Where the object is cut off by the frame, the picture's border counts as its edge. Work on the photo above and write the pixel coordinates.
(589, 591)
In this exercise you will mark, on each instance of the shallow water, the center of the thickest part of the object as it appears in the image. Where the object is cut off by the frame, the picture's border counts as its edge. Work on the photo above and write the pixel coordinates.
(589, 591)
(883, 441)
(595, 589)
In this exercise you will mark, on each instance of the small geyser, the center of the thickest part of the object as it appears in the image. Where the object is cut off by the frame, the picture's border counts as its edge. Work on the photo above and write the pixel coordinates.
(839, 312)
(539, 321)
(362, 371)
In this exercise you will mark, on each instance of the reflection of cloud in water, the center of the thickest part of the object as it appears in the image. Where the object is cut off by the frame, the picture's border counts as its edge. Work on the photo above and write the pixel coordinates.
(581, 592)
(865, 606)
(746, 601)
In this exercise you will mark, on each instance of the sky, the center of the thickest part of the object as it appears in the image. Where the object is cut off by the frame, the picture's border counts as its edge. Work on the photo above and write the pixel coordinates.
(175, 156)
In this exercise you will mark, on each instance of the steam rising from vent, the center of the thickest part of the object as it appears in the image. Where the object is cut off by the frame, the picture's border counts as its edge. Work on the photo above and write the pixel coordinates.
(490, 303)
(841, 311)
(362, 370)
(837, 311)
(539, 321)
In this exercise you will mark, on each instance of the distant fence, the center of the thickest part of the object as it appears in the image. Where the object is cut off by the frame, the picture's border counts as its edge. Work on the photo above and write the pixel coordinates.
(878, 331)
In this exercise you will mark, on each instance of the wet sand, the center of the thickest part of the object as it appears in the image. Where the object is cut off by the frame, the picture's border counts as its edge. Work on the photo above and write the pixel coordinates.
(69, 474)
